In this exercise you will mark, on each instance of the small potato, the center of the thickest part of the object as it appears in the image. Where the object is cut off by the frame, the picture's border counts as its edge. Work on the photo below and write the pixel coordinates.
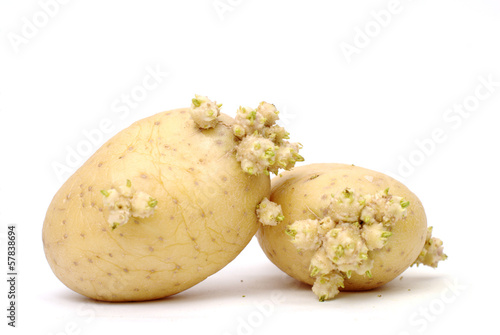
(346, 228)
(158, 208)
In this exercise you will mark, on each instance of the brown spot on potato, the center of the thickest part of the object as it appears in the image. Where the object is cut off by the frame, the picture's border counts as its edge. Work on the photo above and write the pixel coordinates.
(144, 176)
(110, 274)
(75, 263)
(99, 165)
(110, 255)
(65, 236)
(151, 249)
(82, 235)
(125, 270)
(90, 260)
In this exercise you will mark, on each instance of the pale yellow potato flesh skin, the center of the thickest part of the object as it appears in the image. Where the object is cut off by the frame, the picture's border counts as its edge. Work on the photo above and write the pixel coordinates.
(305, 193)
(205, 214)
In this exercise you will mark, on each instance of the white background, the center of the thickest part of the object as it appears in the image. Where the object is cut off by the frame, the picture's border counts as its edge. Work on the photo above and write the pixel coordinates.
(354, 84)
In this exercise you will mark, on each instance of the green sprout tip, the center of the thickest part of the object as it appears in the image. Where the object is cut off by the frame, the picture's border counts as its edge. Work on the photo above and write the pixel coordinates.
(196, 102)
(405, 204)
(152, 202)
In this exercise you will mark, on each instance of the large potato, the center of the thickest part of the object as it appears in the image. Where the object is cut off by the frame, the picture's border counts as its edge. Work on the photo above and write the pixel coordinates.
(346, 227)
(157, 209)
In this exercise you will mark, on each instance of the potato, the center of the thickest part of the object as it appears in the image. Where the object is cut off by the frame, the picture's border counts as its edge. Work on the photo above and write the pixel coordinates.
(346, 227)
(162, 205)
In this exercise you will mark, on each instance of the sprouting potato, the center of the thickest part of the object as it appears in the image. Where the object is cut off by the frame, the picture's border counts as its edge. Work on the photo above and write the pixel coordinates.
(166, 202)
(344, 227)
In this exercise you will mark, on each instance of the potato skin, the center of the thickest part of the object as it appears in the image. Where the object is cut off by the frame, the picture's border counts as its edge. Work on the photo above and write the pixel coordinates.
(205, 214)
(305, 193)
